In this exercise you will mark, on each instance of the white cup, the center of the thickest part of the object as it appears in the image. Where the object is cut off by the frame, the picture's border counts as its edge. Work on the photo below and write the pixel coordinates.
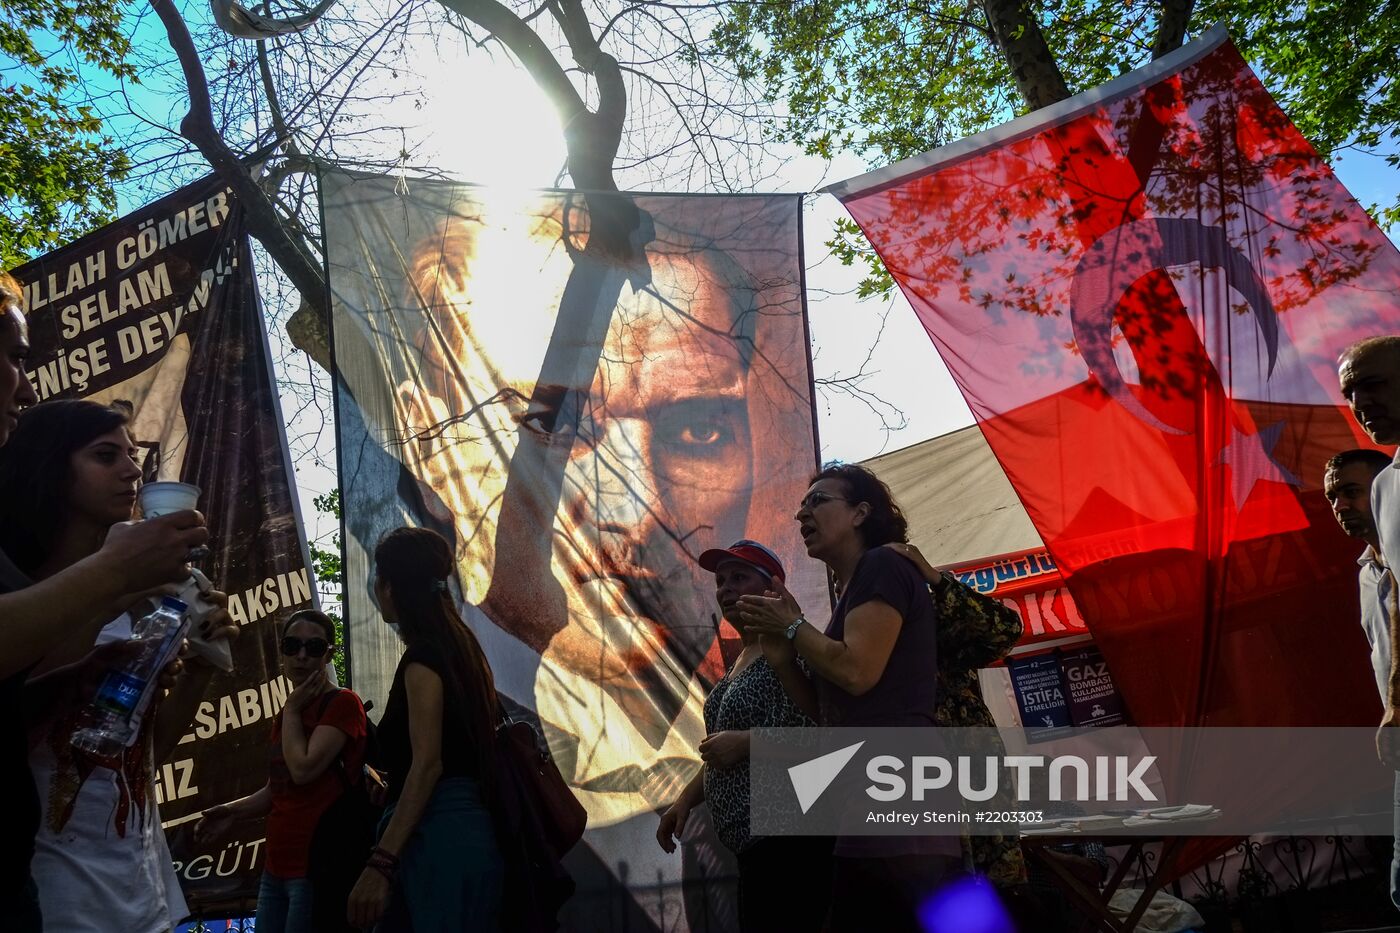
(157, 499)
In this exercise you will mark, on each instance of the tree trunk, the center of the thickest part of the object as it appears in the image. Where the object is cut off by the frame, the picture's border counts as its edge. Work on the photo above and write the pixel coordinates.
(1033, 67)
(613, 254)
(1171, 30)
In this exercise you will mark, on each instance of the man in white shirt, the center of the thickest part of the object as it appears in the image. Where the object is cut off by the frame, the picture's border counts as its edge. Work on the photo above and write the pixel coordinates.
(1346, 483)
(1369, 373)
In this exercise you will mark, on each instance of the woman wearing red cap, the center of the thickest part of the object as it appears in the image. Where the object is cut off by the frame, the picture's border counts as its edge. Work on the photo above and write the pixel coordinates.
(750, 696)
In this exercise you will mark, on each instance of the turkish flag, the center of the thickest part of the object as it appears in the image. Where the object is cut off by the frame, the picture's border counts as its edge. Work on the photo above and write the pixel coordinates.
(1142, 293)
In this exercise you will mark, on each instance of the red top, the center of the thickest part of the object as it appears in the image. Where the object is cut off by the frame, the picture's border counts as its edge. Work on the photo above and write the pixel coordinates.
(296, 808)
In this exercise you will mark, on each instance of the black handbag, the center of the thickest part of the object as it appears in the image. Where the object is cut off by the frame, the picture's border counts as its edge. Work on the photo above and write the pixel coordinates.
(538, 821)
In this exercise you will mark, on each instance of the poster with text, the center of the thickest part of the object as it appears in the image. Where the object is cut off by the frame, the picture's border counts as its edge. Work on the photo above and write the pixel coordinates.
(1040, 692)
(1093, 699)
(158, 314)
(582, 392)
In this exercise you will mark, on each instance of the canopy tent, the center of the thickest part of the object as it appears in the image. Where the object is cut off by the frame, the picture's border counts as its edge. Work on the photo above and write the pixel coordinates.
(965, 517)
(959, 503)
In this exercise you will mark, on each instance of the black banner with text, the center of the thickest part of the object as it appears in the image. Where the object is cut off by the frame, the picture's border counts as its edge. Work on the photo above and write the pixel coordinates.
(158, 313)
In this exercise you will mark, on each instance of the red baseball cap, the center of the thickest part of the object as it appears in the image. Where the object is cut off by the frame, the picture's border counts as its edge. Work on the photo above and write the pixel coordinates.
(750, 552)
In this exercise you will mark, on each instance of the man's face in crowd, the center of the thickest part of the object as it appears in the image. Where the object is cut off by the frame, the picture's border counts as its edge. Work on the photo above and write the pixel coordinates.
(657, 471)
(1349, 492)
(1370, 381)
(16, 394)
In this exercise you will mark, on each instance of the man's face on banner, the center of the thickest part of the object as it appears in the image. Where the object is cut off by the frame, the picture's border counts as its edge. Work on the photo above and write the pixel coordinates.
(658, 470)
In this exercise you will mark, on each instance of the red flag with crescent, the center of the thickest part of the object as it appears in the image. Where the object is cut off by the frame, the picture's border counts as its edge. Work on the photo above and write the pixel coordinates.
(1142, 293)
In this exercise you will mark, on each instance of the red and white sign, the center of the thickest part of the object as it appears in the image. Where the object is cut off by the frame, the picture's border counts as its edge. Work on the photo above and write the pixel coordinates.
(1030, 583)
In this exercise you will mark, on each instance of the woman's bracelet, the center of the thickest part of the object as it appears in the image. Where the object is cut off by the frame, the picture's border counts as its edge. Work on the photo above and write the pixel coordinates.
(385, 855)
(384, 862)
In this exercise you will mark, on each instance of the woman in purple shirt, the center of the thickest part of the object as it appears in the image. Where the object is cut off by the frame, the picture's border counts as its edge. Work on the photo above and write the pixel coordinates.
(874, 665)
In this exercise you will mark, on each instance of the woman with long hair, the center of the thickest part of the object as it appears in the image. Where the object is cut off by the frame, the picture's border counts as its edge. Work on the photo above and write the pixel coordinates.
(70, 473)
(438, 866)
(872, 666)
(317, 748)
(67, 607)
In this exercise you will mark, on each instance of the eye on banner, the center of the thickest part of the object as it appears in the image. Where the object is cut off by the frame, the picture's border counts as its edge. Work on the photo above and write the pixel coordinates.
(157, 314)
(582, 392)
(1142, 293)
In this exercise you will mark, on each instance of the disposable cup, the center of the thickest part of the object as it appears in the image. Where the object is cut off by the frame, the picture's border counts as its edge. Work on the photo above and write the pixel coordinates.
(157, 499)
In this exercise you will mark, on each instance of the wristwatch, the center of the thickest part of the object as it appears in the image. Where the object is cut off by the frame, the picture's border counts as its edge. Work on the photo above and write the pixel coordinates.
(797, 623)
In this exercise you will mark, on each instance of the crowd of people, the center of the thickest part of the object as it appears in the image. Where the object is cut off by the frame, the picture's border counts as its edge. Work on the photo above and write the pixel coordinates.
(396, 827)
(1364, 490)
(84, 847)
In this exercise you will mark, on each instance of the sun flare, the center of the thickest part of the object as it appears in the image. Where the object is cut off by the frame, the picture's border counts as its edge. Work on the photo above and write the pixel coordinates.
(486, 122)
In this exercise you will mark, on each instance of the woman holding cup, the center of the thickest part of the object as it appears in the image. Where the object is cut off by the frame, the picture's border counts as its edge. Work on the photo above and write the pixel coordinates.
(70, 475)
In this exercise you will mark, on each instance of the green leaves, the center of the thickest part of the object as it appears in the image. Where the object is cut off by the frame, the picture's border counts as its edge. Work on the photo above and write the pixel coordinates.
(328, 569)
(57, 168)
(326, 562)
(1334, 65)
(890, 79)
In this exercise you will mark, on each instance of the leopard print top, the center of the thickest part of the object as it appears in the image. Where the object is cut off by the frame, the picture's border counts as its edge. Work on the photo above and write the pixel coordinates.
(754, 699)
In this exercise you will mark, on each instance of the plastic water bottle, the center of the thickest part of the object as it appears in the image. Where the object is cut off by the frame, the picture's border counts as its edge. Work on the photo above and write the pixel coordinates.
(112, 721)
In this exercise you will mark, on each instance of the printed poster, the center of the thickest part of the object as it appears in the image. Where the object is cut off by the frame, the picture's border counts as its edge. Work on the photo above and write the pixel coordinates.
(582, 392)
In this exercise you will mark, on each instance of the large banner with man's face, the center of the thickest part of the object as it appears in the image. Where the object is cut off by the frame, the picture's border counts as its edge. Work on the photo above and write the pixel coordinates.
(158, 314)
(583, 392)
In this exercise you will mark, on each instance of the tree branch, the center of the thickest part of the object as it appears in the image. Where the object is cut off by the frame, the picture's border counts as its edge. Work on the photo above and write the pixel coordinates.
(593, 138)
(525, 45)
(279, 123)
(263, 222)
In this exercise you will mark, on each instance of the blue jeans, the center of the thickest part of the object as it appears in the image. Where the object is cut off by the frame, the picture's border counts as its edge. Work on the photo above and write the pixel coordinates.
(451, 874)
(284, 905)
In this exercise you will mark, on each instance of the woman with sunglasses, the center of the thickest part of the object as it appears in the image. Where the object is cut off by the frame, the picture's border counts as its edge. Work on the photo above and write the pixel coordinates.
(318, 748)
(874, 665)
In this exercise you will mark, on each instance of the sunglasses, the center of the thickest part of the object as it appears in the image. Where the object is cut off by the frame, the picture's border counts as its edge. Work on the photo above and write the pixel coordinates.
(815, 499)
(315, 647)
